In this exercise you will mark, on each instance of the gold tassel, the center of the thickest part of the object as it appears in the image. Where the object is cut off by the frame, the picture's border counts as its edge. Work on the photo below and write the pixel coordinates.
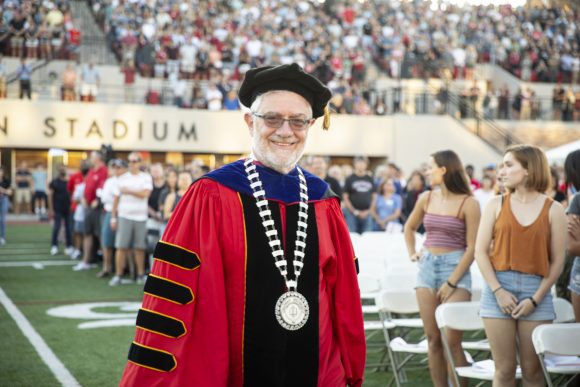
(326, 120)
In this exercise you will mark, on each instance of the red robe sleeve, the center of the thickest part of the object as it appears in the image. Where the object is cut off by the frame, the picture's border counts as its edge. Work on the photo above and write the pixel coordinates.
(182, 335)
(346, 307)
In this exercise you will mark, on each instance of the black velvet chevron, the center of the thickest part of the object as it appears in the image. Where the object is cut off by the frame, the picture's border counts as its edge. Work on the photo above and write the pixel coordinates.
(176, 255)
(159, 323)
(171, 291)
(151, 358)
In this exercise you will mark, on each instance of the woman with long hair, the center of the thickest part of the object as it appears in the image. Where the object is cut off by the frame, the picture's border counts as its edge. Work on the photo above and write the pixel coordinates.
(169, 189)
(450, 215)
(184, 180)
(520, 251)
(572, 169)
(416, 185)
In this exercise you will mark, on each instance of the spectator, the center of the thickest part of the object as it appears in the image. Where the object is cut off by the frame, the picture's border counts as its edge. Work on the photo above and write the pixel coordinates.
(69, 83)
(473, 182)
(2, 78)
(154, 210)
(386, 208)
(5, 193)
(23, 189)
(415, 187)
(451, 217)
(554, 191)
(17, 31)
(184, 180)
(577, 106)
(558, 96)
(59, 210)
(529, 225)
(94, 180)
(90, 81)
(179, 86)
(79, 213)
(170, 187)
(319, 167)
(129, 73)
(74, 180)
(572, 170)
(358, 195)
(40, 183)
(484, 193)
(129, 218)
(213, 97)
(504, 103)
(568, 105)
(24, 72)
(117, 167)
(231, 101)
(31, 37)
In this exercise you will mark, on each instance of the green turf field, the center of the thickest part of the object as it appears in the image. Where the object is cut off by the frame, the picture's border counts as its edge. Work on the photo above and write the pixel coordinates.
(93, 353)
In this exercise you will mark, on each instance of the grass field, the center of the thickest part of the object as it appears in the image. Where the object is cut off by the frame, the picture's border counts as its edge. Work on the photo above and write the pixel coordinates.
(92, 347)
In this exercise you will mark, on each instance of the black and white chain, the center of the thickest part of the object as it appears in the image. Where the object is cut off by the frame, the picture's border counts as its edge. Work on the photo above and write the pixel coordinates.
(269, 227)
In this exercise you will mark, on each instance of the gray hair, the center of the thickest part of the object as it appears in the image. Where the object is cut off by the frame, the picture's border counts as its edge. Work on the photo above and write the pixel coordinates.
(258, 101)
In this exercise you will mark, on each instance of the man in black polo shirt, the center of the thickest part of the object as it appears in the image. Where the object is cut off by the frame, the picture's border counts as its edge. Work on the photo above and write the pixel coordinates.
(359, 191)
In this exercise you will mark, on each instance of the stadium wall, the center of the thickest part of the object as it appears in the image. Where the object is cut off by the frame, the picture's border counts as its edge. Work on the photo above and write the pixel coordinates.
(406, 140)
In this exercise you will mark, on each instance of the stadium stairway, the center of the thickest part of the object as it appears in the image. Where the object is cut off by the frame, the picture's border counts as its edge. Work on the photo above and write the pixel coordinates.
(93, 40)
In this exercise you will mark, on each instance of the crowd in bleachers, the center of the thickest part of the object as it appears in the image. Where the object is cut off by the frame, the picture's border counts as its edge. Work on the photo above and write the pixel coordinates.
(38, 29)
(406, 39)
(214, 43)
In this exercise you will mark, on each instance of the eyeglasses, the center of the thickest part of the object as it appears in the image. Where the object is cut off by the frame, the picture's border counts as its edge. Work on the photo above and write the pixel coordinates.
(275, 121)
(134, 161)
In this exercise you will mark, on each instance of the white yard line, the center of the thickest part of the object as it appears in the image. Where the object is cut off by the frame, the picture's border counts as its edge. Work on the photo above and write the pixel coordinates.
(61, 373)
(36, 263)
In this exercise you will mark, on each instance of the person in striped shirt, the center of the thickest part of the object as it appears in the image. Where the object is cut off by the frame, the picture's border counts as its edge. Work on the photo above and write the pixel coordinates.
(450, 215)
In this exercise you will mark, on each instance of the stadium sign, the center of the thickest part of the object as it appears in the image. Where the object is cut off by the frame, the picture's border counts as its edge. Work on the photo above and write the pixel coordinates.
(406, 139)
(82, 126)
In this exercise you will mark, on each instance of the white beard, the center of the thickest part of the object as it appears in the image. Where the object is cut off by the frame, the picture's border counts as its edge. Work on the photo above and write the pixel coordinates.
(282, 163)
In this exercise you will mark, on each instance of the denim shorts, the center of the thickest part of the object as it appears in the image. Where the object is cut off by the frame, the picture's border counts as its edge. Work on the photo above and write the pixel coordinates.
(435, 270)
(107, 233)
(79, 227)
(574, 285)
(522, 286)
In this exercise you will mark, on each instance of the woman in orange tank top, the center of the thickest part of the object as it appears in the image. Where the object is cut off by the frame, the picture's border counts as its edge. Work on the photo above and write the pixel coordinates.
(520, 251)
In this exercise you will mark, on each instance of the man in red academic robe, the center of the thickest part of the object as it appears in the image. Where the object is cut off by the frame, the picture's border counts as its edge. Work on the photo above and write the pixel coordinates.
(230, 301)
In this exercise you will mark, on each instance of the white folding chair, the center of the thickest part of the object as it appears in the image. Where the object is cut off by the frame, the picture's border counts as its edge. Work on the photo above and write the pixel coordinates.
(398, 298)
(370, 289)
(462, 316)
(564, 310)
(561, 340)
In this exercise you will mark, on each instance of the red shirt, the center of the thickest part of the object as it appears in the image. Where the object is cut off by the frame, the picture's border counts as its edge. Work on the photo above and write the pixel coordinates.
(73, 181)
(95, 179)
(348, 15)
(129, 75)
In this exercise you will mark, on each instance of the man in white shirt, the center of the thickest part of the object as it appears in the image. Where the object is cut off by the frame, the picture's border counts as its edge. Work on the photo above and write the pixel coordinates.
(129, 218)
(117, 167)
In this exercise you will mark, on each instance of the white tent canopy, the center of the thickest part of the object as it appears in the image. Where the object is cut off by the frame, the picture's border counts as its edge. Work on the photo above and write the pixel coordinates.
(558, 154)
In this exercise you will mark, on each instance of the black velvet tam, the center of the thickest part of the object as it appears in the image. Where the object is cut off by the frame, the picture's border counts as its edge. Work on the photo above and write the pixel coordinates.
(290, 77)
